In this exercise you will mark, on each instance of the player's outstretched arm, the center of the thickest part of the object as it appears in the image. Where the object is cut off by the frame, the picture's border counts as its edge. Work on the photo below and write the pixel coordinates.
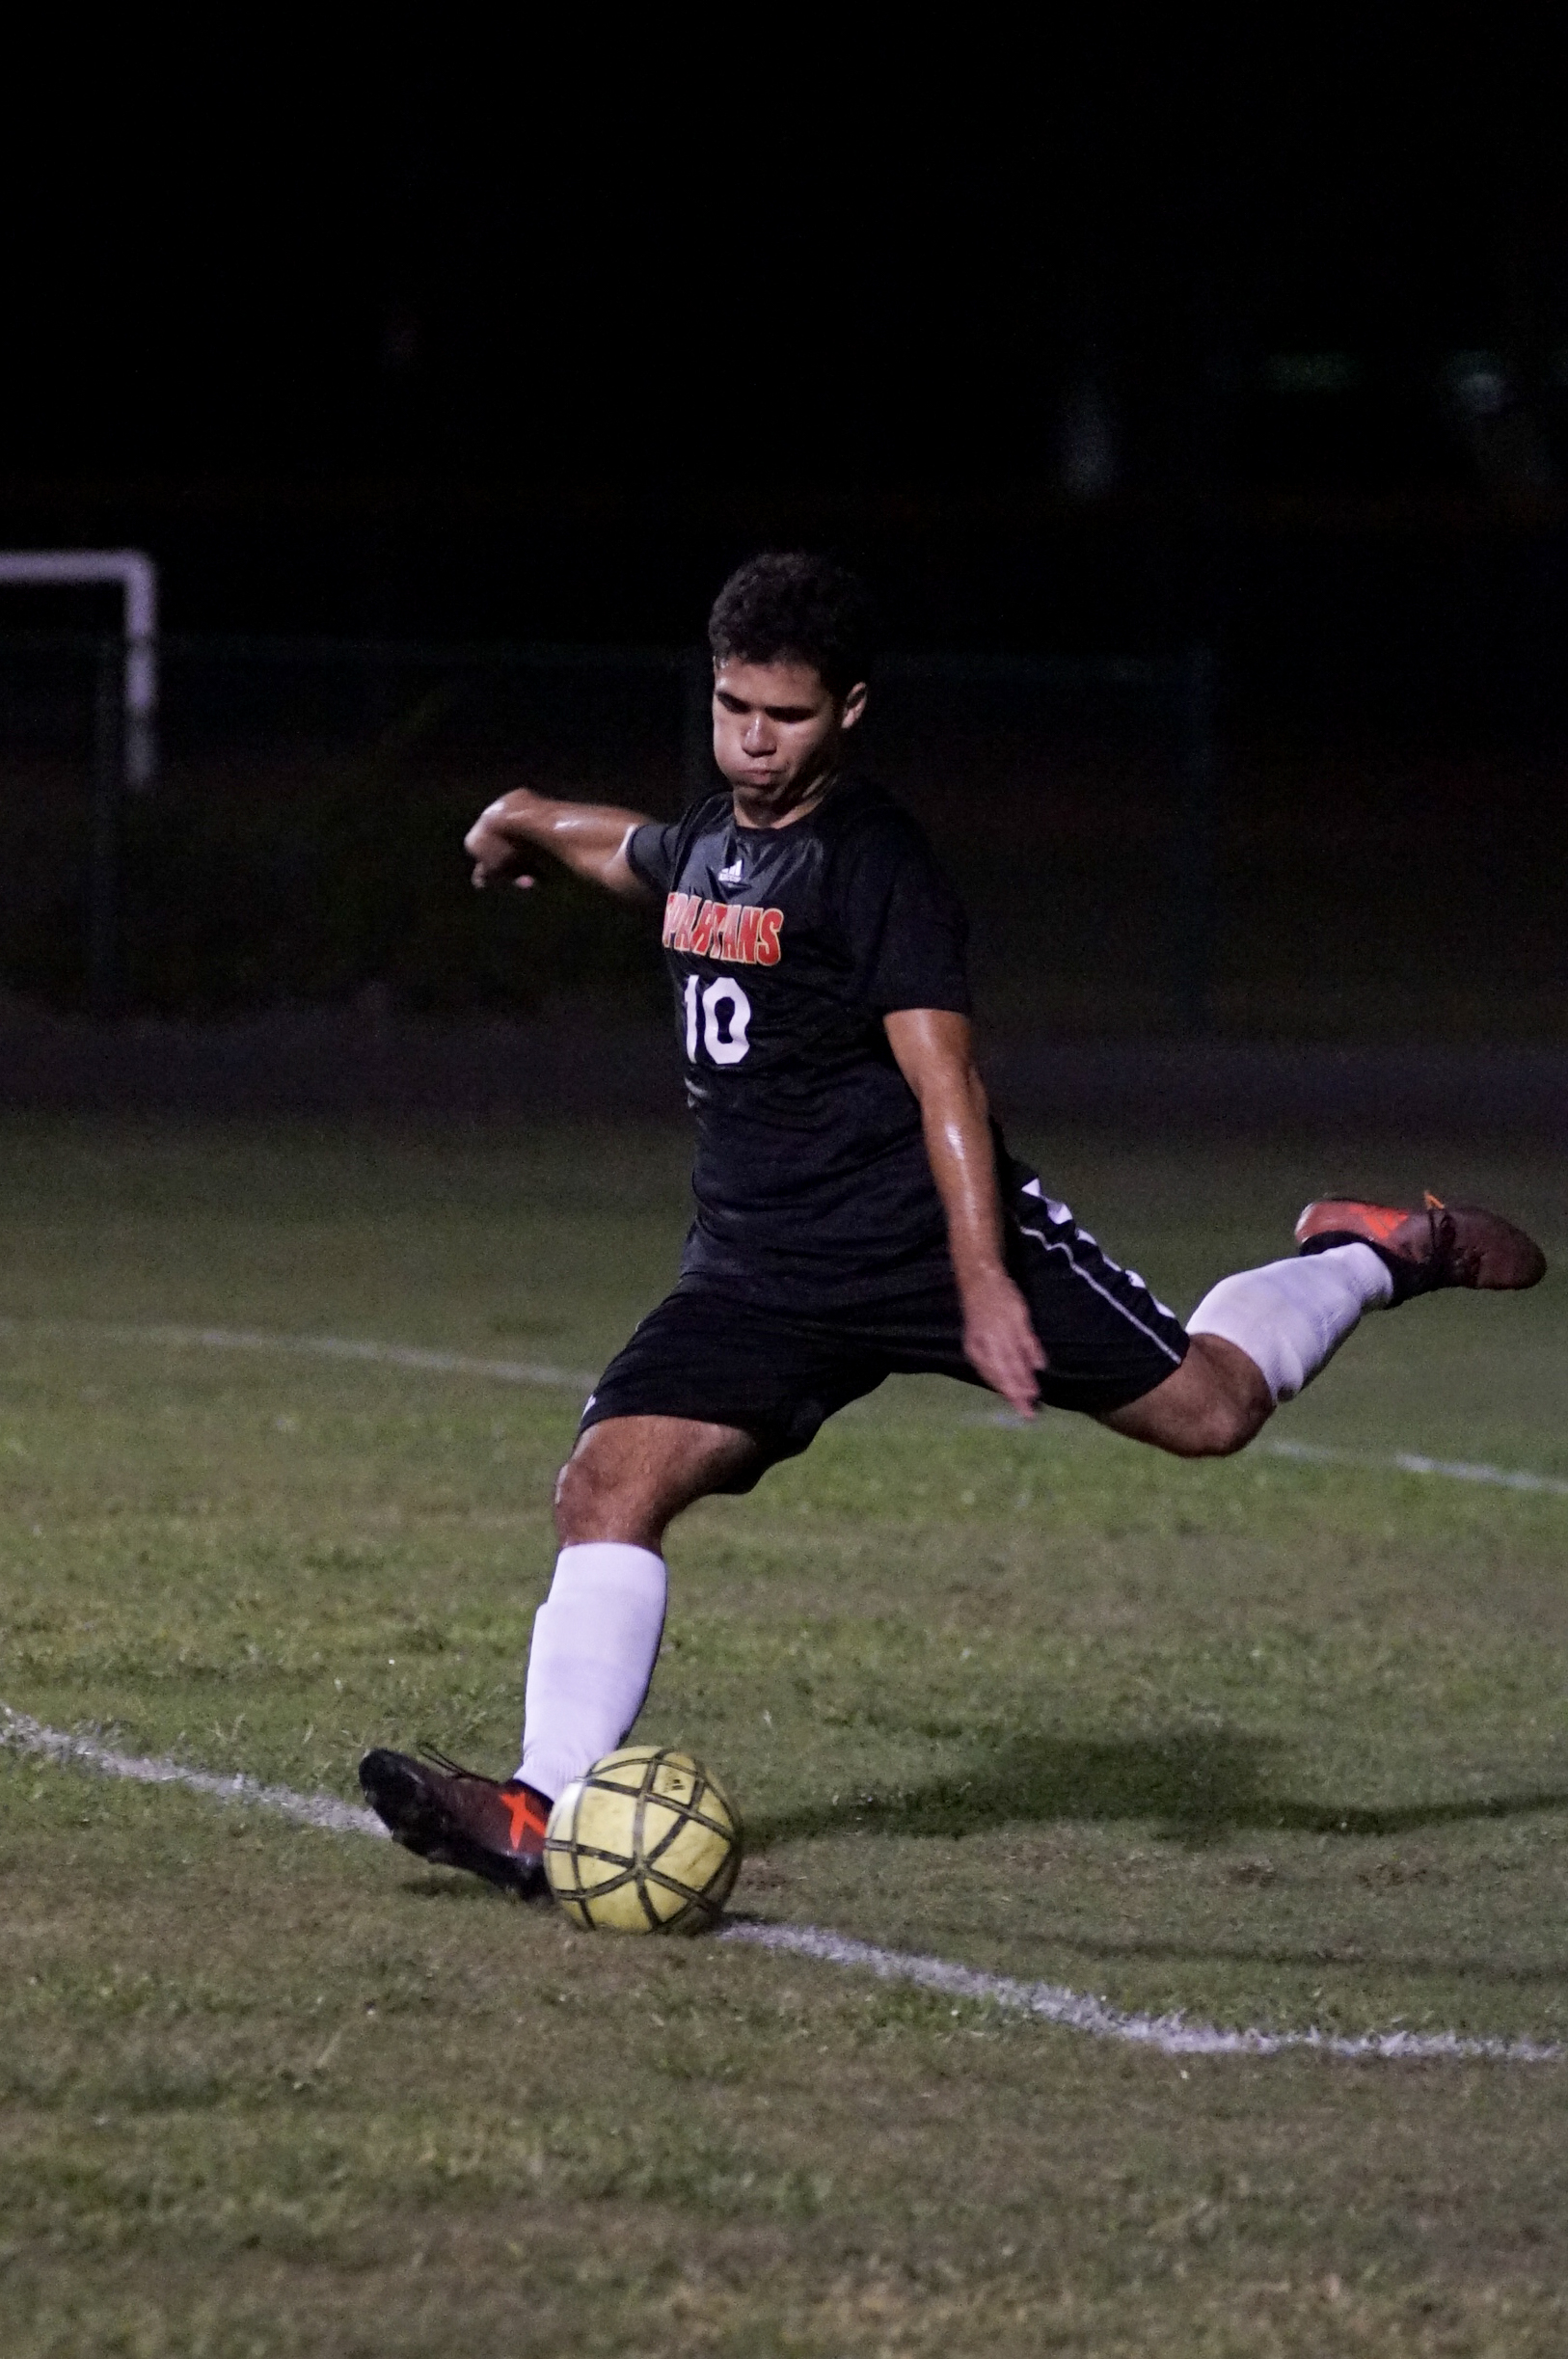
(590, 838)
(933, 1049)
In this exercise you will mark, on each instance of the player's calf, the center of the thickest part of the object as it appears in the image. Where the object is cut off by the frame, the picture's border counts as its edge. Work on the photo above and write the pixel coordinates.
(596, 1637)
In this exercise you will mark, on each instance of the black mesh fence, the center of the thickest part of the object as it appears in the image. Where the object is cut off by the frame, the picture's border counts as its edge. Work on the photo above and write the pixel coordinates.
(300, 840)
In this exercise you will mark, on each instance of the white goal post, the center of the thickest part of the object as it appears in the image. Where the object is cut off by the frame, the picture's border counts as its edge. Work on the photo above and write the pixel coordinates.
(124, 743)
(137, 578)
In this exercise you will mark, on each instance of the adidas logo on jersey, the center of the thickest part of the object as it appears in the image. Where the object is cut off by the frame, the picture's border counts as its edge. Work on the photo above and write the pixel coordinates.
(741, 935)
(731, 875)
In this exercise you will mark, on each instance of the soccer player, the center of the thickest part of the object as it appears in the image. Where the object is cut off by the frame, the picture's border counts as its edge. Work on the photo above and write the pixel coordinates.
(857, 1212)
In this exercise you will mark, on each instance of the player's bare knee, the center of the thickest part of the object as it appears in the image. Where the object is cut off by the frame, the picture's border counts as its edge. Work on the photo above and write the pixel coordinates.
(1226, 1416)
(594, 1494)
(1212, 1430)
(1224, 1427)
(1225, 1398)
(1214, 1404)
(571, 1498)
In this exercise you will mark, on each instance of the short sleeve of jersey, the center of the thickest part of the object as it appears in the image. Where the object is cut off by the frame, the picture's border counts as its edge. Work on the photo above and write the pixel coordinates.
(904, 918)
(651, 854)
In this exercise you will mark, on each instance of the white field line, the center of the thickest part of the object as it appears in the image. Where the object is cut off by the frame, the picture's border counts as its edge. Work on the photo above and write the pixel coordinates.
(1392, 1462)
(1409, 1462)
(301, 1346)
(538, 1372)
(324, 1810)
(1167, 2035)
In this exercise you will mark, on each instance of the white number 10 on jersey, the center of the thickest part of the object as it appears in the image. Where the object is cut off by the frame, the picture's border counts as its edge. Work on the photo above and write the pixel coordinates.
(725, 1017)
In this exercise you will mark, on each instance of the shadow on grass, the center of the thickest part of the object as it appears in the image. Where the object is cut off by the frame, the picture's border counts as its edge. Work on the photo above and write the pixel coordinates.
(449, 1891)
(1196, 1785)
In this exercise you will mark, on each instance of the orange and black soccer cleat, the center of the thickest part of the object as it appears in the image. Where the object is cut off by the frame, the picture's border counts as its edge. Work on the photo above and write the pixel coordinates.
(1443, 1244)
(460, 1818)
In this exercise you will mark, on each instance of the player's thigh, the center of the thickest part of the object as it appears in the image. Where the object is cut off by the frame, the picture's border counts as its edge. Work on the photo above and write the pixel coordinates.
(628, 1475)
(704, 1359)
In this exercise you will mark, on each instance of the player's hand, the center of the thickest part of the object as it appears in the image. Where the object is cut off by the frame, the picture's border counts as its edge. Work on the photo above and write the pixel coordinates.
(497, 875)
(1000, 1342)
(497, 859)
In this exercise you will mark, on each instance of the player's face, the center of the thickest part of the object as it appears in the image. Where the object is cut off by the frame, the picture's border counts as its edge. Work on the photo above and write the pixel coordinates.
(776, 732)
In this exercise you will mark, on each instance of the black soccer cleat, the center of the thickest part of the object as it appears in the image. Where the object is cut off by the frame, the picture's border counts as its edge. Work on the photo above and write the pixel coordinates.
(1457, 1244)
(460, 1818)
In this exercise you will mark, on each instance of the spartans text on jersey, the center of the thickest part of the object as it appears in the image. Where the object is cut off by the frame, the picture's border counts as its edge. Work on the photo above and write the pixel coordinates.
(743, 934)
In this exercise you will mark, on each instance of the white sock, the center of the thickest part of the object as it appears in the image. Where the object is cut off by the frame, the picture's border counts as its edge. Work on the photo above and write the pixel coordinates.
(595, 1640)
(1290, 1317)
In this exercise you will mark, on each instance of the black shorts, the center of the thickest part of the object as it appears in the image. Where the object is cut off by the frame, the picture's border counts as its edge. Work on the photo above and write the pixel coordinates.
(777, 1371)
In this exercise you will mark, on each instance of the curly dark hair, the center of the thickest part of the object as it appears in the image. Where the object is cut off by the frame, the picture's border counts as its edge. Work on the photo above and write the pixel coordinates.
(787, 605)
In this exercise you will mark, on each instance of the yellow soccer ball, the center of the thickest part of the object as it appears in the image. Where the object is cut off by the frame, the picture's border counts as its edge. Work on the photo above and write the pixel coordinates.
(647, 1842)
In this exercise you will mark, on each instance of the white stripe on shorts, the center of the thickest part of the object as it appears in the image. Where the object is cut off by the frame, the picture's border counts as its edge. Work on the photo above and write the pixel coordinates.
(1056, 1244)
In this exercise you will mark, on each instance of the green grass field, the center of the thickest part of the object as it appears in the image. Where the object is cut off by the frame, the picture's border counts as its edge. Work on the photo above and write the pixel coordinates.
(1275, 1743)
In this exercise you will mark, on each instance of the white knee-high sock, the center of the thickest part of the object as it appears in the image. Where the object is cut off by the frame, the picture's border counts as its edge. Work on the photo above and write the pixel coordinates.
(1290, 1317)
(595, 1639)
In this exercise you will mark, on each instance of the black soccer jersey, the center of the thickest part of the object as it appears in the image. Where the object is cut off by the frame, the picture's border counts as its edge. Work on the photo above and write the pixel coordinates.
(787, 947)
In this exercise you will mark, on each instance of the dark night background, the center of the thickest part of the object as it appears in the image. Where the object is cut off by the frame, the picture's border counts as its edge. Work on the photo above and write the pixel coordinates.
(1276, 363)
